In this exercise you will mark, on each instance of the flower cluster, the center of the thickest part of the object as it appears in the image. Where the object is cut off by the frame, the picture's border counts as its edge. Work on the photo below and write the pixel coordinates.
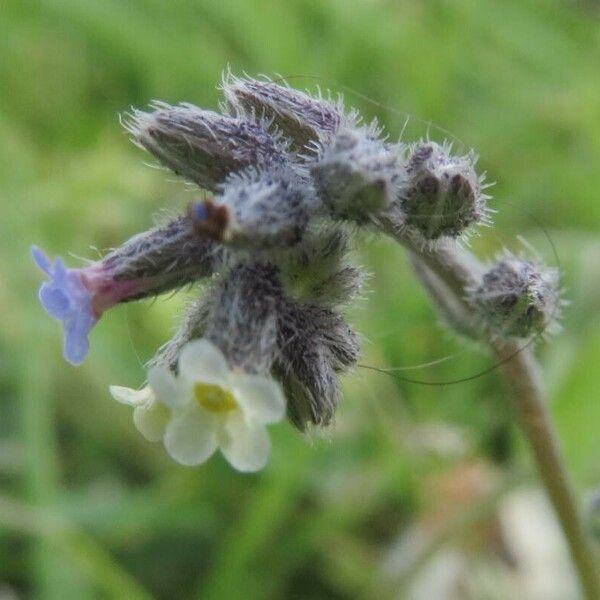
(287, 172)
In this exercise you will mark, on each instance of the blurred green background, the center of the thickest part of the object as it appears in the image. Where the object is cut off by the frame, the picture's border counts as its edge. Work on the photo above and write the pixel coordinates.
(415, 486)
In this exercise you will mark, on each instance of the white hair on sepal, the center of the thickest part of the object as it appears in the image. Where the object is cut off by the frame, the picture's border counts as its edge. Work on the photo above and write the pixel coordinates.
(358, 175)
(307, 120)
(517, 297)
(441, 196)
(201, 145)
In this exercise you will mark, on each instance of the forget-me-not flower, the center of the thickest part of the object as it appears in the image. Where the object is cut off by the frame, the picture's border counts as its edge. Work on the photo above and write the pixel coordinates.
(211, 407)
(66, 298)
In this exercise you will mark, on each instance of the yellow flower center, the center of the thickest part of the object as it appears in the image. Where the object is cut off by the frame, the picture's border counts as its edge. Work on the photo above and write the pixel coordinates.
(214, 398)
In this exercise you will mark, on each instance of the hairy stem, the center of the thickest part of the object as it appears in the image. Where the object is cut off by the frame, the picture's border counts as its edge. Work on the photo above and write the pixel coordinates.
(457, 269)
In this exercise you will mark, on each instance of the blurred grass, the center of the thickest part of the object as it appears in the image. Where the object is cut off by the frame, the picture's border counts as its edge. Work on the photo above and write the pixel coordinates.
(517, 80)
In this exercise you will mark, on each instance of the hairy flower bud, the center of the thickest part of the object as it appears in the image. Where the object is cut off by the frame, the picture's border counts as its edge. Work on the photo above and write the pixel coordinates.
(258, 209)
(163, 259)
(242, 316)
(314, 345)
(306, 121)
(318, 271)
(517, 298)
(239, 313)
(441, 194)
(357, 175)
(201, 145)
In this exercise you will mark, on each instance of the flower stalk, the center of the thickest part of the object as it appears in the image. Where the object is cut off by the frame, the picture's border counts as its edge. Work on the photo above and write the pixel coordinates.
(458, 270)
(523, 376)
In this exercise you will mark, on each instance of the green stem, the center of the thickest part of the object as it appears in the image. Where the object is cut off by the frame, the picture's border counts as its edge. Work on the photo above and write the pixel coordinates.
(457, 270)
(522, 374)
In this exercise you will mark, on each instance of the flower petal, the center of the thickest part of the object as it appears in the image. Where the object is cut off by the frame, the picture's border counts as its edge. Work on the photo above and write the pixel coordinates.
(261, 398)
(66, 298)
(166, 387)
(131, 397)
(245, 445)
(191, 437)
(76, 331)
(151, 420)
(60, 271)
(201, 360)
(41, 260)
(54, 300)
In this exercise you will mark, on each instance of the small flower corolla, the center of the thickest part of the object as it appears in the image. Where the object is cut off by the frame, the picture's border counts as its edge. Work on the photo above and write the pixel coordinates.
(149, 416)
(79, 297)
(66, 298)
(211, 407)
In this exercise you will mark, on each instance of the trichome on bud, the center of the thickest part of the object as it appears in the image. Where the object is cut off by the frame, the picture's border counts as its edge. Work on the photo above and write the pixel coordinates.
(517, 298)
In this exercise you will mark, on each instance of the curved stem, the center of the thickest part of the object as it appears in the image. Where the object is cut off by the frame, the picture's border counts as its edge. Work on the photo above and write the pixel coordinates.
(458, 269)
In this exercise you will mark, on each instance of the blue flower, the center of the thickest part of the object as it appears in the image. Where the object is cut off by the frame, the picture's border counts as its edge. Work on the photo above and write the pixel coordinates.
(65, 297)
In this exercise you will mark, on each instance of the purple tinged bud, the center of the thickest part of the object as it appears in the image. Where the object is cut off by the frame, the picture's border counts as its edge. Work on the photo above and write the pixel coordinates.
(517, 298)
(441, 195)
(201, 145)
(308, 122)
(164, 258)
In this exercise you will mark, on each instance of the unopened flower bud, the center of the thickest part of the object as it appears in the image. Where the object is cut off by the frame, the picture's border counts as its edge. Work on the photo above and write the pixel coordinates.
(308, 122)
(258, 209)
(517, 298)
(239, 314)
(441, 194)
(332, 331)
(242, 316)
(318, 271)
(315, 344)
(163, 259)
(201, 145)
(357, 175)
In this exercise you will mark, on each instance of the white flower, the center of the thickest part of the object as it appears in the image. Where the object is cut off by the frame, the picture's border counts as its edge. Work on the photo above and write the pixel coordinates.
(210, 407)
(150, 417)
